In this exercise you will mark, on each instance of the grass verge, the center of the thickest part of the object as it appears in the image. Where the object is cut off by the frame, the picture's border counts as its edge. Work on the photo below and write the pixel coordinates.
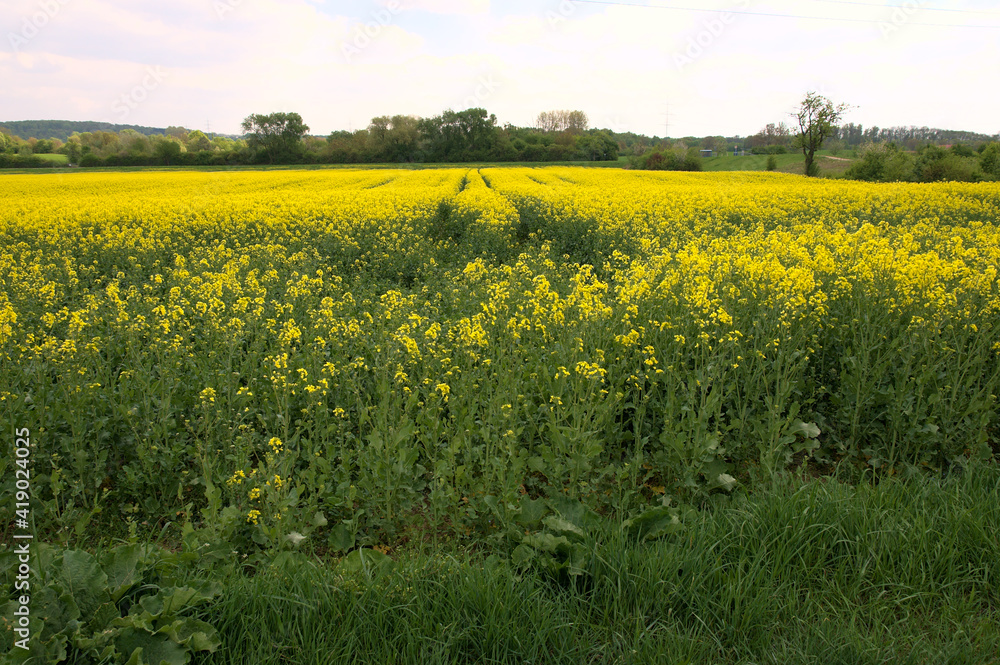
(905, 571)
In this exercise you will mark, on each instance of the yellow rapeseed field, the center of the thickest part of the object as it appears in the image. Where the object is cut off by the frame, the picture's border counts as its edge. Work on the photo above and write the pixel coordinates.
(365, 344)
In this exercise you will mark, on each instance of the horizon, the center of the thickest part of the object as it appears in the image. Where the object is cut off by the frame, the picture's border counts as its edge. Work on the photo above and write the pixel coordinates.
(659, 69)
(4, 123)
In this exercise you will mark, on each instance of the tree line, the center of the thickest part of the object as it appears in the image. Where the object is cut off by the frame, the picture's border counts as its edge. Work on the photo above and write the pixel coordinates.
(472, 135)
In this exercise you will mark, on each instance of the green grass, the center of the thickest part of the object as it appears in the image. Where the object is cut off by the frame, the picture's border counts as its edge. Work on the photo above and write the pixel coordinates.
(789, 163)
(804, 572)
(620, 163)
(59, 160)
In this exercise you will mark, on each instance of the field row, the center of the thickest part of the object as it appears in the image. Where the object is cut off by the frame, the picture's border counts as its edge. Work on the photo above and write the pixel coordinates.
(349, 353)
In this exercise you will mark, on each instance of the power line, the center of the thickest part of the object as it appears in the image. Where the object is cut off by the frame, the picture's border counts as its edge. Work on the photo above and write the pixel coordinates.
(775, 15)
(916, 8)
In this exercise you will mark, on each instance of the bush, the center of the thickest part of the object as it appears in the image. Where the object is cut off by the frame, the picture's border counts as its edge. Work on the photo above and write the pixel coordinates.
(989, 160)
(934, 164)
(12, 161)
(670, 160)
(128, 604)
(880, 162)
(770, 150)
(772, 163)
(962, 150)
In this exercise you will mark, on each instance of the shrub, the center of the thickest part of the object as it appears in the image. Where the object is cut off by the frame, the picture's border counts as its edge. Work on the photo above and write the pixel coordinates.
(880, 162)
(670, 160)
(934, 164)
(126, 605)
(989, 161)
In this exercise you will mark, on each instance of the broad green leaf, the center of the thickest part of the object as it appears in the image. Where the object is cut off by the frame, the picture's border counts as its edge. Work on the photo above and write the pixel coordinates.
(365, 561)
(808, 430)
(546, 542)
(564, 528)
(319, 520)
(574, 511)
(103, 617)
(653, 523)
(341, 538)
(532, 512)
(726, 482)
(122, 568)
(169, 601)
(192, 633)
(85, 580)
(147, 649)
(52, 650)
(522, 555)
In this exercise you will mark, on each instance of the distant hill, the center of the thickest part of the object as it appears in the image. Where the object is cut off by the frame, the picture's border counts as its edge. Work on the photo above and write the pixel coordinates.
(62, 129)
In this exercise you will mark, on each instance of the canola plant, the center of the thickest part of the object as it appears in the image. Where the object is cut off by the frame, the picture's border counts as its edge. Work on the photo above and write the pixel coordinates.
(345, 350)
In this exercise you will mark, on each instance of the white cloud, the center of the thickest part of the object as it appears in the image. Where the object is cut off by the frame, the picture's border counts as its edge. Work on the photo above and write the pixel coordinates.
(615, 63)
(447, 7)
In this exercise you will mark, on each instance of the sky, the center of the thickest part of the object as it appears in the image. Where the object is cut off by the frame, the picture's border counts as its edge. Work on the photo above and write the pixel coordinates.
(656, 67)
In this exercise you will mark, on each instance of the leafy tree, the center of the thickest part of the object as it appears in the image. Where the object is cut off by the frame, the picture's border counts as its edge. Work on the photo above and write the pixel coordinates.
(278, 136)
(575, 122)
(935, 164)
(133, 143)
(962, 150)
(394, 139)
(598, 147)
(43, 147)
(460, 136)
(178, 133)
(198, 142)
(818, 118)
(167, 148)
(73, 149)
(224, 144)
(676, 159)
(881, 162)
(989, 160)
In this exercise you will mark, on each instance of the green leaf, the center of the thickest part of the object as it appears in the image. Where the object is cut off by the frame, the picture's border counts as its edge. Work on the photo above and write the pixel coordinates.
(319, 520)
(807, 430)
(192, 633)
(85, 580)
(122, 568)
(170, 601)
(532, 512)
(575, 512)
(103, 617)
(365, 560)
(726, 482)
(565, 528)
(655, 522)
(147, 649)
(52, 650)
(523, 554)
(546, 542)
(341, 538)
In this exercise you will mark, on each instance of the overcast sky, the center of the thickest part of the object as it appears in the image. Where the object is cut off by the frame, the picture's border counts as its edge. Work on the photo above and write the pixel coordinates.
(680, 67)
